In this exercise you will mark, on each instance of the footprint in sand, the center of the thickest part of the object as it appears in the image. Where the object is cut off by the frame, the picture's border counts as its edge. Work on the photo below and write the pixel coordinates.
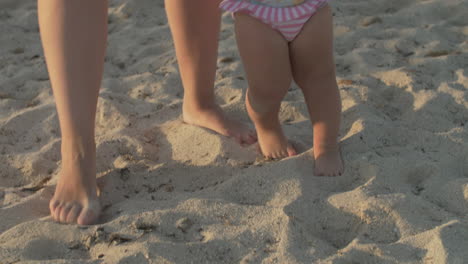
(418, 175)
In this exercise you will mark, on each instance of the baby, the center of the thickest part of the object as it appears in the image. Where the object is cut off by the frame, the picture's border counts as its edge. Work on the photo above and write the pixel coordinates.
(280, 41)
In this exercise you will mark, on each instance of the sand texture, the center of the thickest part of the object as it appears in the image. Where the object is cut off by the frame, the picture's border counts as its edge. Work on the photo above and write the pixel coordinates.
(174, 193)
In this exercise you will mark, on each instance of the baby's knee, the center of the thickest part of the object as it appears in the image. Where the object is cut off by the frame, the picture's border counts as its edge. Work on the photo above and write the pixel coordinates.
(314, 75)
(265, 95)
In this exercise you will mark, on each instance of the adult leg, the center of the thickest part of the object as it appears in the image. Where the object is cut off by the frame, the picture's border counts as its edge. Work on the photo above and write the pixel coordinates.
(265, 54)
(74, 37)
(195, 29)
(314, 71)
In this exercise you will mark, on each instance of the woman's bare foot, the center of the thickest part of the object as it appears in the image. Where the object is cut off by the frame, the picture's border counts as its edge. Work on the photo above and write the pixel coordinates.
(196, 47)
(75, 199)
(273, 143)
(214, 119)
(328, 160)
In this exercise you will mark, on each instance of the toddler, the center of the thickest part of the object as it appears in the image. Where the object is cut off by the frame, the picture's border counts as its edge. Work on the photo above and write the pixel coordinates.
(280, 41)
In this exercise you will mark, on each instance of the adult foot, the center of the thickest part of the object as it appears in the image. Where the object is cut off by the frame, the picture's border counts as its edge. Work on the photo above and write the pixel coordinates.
(214, 119)
(328, 160)
(273, 143)
(76, 199)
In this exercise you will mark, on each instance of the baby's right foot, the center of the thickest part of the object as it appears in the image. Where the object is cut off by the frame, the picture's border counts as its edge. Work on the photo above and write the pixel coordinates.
(328, 160)
(273, 143)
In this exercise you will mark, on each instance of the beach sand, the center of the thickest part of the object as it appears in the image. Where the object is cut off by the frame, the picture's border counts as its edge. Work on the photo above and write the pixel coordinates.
(174, 193)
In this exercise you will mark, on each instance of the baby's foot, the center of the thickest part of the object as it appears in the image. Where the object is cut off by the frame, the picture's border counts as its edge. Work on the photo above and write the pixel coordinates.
(214, 119)
(75, 199)
(273, 143)
(328, 160)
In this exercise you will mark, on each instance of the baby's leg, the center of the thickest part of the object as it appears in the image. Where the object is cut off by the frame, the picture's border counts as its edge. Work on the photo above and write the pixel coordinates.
(265, 55)
(314, 71)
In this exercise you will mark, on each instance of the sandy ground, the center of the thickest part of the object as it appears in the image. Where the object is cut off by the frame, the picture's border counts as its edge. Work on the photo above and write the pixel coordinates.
(174, 193)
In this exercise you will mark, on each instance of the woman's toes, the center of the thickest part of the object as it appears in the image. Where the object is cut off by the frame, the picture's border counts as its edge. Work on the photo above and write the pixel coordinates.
(291, 151)
(252, 138)
(86, 217)
(89, 215)
(246, 139)
(237, 138)
(56, 212)
(53, 206)
(318, 173)
(64, 213)
(73, 214)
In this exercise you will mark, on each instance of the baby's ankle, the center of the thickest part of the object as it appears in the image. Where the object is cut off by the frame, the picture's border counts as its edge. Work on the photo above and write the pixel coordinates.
(322, 147)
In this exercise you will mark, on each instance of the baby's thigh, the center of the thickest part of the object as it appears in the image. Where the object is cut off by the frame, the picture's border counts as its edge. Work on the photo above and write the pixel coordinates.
(264, 52)
(312, 50)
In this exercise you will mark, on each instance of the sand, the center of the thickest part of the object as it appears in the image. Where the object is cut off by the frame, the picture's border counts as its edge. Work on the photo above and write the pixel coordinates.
(174, 193)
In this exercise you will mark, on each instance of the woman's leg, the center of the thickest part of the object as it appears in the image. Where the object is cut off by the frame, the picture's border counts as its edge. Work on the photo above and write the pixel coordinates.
(74, 38)
(314, 71)
(265, 54)
(195, 29)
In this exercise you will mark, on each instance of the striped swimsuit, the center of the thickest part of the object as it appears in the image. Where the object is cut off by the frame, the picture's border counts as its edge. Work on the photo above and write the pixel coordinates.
(286, 16)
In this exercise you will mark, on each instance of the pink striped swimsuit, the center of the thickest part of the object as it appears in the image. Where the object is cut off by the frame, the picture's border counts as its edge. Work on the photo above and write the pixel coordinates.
(286, 16)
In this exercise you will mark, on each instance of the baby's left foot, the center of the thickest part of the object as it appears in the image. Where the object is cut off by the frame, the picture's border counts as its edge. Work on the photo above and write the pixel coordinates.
(328, 161)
